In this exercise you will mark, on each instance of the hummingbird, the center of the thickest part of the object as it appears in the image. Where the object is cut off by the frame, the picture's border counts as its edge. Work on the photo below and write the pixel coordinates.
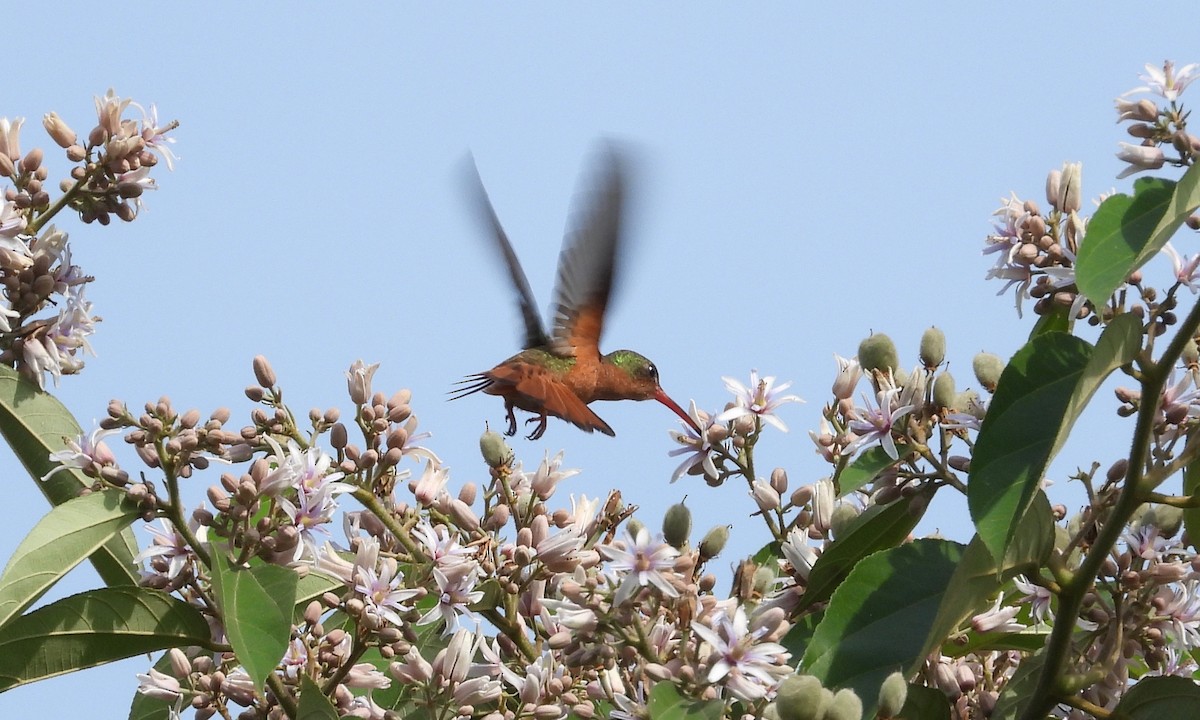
(561, 372)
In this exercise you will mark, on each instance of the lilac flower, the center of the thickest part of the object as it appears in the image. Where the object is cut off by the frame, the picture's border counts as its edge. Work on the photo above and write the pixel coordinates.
(997, 619)
(155, 137)
(306, 471)
(548, 475)
(456, 591)
(1182, 614)
(310, 513)
(1140, 157)
(1038, 598)
(800, 555)
(760, 400)
(169, 547)
(440, 546)
(748, 668)
(696, 446)
(1146, 542)
(12, 220)
(84, 452)
(645, 562)
(1168, 82)
(1187, 270)
(159, 686)
(848, 375)
(383, 591)
(874, 424)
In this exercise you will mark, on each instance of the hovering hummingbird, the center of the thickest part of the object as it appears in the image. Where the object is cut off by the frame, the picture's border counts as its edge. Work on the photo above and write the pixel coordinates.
(562, 372)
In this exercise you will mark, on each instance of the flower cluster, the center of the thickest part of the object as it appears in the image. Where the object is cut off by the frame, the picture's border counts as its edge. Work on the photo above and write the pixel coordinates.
(486, 600)
(111, 170)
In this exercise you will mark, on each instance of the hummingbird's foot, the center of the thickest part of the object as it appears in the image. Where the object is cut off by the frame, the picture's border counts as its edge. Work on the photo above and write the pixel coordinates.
(512, 420)
(539, 430)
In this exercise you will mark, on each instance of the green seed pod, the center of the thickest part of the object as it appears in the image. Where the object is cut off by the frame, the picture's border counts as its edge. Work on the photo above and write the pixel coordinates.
(764, 577)
(677, 525)
(714, 542)
(968, 402)
(892, 694)
(1166, 518)
(845, 706)
(635, 526)
(878, 352)
(843, 515)
(933, 348)
(943, 390)
(799, 697)
(987, 369)
(496, 452)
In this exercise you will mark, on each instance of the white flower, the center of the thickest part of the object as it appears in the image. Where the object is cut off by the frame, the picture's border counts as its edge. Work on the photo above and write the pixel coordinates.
(761, 399)
(749, 669)
(645, 562)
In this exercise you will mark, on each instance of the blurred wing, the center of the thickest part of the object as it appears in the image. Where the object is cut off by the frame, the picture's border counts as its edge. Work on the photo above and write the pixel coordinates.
(587, 264)
(539, 386)
(535, 336)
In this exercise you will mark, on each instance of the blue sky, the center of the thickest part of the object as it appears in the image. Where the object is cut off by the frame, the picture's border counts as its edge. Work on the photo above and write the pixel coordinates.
(808, 175)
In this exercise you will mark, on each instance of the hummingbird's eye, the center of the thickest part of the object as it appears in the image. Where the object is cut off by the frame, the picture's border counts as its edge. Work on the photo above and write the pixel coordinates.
(651, 371)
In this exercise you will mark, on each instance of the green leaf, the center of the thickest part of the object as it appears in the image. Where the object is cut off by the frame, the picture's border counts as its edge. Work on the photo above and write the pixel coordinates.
(313, 703)
(311, 587)
(800, 635)
(257, 606)
(665, 703)
(1056, 320)
(878, 620)
(925, 703)
(94, 628)
(1019, 689)
(1125, 232)
(877, 528)
(35, 424)
(1161, 698)
(65, 537)
(865, 468)
(1191, 516)
(978, 577)
(1041, 394)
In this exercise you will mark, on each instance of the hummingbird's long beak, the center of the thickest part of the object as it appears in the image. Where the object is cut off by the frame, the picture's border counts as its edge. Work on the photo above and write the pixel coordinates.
(665, 399)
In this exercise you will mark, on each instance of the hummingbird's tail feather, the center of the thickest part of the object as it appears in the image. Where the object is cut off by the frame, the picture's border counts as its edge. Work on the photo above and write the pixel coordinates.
(473, 384)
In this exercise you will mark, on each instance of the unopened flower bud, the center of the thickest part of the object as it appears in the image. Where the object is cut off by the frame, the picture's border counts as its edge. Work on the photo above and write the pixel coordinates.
(988, 368)
(1069, 187)
(463, 515)
(1053, 183)
(801, 697)
(943, 390)
(467, 493)
(1117, 470)
(779, 481)
(263, 372)
(58, 130)
(933, 348)
(32, 160)
(823, 501)
(714, 542)
(765, 496)
(878, 352)
(677, 525)
(497, 519)
(892, 694)
(496, 452)
(849, 373)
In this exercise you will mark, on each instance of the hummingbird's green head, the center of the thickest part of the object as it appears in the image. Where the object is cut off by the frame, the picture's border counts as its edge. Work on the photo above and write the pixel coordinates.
(637, 377)
(634, 377)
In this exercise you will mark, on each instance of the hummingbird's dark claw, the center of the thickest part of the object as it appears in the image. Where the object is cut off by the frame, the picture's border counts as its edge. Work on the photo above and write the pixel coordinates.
(512, 420)
(540, 429)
